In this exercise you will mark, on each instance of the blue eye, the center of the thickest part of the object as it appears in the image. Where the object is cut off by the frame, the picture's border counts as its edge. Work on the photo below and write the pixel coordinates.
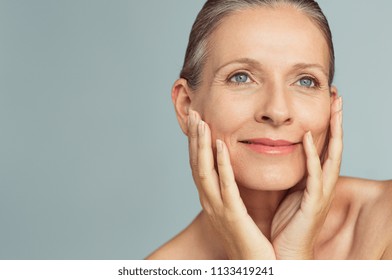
(307, 82)
(240, 78)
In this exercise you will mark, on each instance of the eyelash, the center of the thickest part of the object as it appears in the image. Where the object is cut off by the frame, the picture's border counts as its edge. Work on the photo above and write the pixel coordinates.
(314, 80)
(229, 79)
(316, 83)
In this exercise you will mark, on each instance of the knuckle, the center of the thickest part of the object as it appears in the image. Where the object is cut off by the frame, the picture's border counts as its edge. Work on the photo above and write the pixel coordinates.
(193, 162)
(203, 174)
(221, 163)
(192, 134)
(225, 184)
(317, 176)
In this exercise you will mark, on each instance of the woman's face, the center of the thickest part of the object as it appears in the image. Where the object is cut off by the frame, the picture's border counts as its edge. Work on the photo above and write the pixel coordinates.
(264, 85)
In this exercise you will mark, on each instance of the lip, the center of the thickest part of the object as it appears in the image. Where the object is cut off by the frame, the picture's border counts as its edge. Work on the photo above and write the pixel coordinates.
(270, 146)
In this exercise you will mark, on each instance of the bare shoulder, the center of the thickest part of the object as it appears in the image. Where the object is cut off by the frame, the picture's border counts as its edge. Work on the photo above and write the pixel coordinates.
(366, 192)
(171, 250)
(195, 242)
(373, 225)
(176, 248)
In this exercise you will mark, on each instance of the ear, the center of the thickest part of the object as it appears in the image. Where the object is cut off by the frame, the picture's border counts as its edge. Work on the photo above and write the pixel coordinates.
(182, 97)
(333, 93)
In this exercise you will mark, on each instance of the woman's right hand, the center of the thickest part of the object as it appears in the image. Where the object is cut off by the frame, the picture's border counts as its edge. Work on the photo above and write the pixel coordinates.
(220, 197)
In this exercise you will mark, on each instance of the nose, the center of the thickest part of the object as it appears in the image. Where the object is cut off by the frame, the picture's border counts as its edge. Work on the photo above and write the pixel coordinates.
(274, 108)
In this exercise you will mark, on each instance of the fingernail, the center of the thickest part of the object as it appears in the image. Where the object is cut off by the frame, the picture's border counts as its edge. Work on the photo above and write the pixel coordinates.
(340, 103)
(219, 146)
(201, 128)
(310, 137)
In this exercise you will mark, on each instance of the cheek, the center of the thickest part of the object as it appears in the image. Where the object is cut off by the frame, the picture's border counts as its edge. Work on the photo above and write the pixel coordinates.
(224, 115)
(317, 120)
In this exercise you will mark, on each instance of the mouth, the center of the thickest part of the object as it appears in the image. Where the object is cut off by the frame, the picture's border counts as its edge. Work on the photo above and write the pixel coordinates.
(270, 146)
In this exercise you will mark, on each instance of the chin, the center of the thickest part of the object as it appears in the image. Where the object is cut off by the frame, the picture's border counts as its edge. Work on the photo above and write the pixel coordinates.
(272, 177)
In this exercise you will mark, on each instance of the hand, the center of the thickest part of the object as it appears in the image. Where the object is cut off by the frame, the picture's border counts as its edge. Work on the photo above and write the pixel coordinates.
(220, 198)
(301, 214)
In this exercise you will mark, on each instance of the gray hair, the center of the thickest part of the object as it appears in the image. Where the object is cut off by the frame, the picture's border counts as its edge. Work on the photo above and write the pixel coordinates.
(214, 11)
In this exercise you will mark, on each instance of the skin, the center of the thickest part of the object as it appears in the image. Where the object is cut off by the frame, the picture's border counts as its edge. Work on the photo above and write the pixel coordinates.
(267, 77)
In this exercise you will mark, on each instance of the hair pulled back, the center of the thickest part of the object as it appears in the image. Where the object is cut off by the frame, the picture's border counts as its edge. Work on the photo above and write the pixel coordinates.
(214, 11)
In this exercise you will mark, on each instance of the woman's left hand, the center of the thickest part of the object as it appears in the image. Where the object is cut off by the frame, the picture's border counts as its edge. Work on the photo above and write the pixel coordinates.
(301, 215)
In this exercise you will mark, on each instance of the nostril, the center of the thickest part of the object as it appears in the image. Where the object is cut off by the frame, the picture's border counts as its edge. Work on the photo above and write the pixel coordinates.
(275, 121)
(265, 118)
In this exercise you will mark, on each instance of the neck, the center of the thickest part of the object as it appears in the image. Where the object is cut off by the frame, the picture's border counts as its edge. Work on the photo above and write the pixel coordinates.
(261, 206)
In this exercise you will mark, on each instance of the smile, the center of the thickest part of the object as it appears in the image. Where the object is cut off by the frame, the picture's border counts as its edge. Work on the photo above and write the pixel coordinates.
(270, 147)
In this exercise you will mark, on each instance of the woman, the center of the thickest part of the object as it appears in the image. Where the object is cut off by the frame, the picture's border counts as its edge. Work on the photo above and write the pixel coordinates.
(264, 123)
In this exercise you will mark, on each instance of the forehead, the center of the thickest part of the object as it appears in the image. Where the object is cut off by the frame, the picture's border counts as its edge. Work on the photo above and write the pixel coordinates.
(276, 37)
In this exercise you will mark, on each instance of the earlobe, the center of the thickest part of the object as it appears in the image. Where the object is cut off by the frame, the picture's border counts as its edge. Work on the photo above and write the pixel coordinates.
(181, 98)
(334, 92)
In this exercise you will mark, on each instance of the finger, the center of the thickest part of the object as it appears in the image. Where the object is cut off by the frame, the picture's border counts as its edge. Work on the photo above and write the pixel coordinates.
(314, 180)
(208, 177)
(331, 167)
(193, 120)
(228, 187)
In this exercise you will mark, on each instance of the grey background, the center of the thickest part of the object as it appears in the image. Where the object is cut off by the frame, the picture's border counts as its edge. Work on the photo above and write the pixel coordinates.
(93, 164)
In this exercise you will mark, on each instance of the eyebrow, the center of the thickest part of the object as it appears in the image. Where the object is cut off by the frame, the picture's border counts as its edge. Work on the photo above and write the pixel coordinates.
(251, 62)
(255, 64)
(303, 66)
